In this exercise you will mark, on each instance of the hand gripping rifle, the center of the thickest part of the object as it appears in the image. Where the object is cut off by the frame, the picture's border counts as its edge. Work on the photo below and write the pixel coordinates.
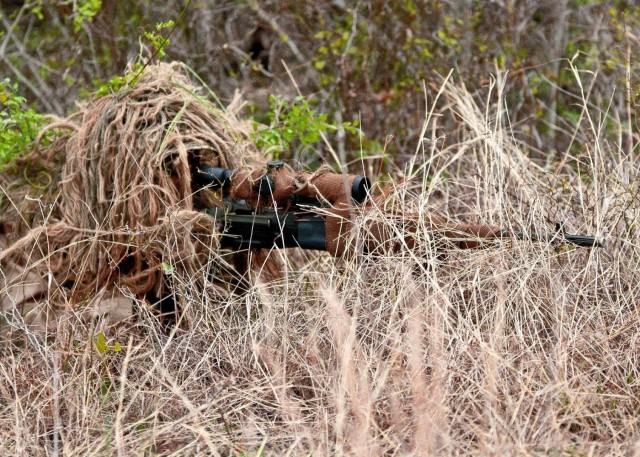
(282, 208)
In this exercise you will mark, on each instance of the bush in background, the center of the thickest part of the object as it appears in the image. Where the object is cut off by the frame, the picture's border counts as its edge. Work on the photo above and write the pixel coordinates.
(356, 61)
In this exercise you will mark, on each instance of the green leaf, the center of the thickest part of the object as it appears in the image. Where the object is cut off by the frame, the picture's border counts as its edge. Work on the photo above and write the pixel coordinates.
(164, 25)
(101, 343)
(85, 10)
(167, 269)
(117, 347)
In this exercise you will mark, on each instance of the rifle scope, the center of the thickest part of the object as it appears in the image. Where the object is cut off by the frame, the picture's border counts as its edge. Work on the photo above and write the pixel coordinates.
(220, 178)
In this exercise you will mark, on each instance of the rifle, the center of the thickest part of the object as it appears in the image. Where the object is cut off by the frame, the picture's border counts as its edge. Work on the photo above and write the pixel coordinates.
(282, 208)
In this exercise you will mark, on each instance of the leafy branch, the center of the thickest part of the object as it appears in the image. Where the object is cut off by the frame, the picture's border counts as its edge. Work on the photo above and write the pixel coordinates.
(294, 124)
(18, 126)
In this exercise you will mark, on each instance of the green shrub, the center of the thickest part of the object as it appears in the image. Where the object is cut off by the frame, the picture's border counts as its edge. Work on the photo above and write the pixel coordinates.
(18, 126)
(292, 125)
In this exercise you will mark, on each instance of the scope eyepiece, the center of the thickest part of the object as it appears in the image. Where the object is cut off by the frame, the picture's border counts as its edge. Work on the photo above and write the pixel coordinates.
(215, 177)
(360, 189)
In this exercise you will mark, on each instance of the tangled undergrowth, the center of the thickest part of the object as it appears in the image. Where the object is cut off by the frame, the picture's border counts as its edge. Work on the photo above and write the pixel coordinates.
(520, 348)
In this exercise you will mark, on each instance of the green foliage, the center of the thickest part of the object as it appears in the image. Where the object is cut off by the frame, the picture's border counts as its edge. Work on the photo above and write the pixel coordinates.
(18, 126)
(368, 59)
(36, 10)
(158, 43)
(167, 269)
(294, 124)
(337, 42)
(157, 40)
(84, 11)
(104, 348)
(118, 82)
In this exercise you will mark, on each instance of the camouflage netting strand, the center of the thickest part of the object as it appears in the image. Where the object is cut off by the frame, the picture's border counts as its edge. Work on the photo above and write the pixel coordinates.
(110, 202)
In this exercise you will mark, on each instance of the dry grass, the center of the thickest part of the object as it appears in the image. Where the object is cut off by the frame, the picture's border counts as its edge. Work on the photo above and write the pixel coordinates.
(517, 349)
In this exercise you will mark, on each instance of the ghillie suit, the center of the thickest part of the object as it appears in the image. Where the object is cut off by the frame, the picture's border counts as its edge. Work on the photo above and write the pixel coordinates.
(106, 213)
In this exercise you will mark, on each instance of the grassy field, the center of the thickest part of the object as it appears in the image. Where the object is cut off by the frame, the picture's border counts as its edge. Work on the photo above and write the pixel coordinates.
(518, 349)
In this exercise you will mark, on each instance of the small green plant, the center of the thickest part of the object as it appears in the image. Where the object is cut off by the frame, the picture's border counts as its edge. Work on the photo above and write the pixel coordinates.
(167, 269)
(157, 40)
(103, 347)
(84, 10)
(36, 10)
(117, 82)
(158, 43)
(291, 124)
(18, 126)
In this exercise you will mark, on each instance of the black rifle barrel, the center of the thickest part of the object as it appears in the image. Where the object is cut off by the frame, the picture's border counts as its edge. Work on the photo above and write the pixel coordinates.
(579, 240)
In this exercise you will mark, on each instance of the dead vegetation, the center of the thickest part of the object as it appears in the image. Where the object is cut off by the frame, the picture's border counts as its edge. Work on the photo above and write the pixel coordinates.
(522, 348)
